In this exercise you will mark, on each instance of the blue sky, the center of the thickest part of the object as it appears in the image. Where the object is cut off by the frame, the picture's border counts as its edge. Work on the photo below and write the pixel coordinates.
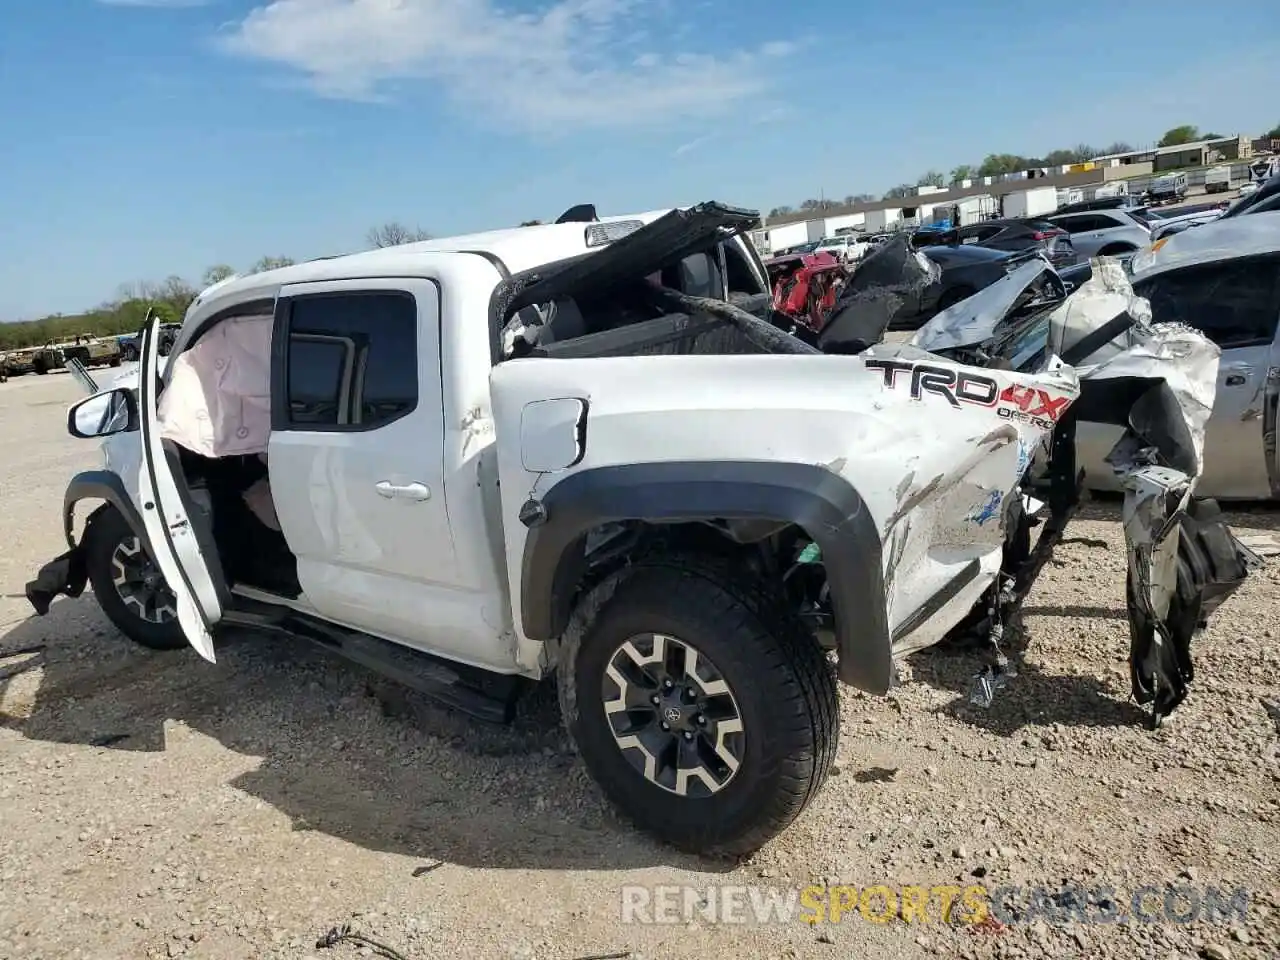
(143, 138)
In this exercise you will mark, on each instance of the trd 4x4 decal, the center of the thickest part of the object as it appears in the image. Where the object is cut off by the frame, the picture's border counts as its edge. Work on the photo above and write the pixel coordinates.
(957, 386)
(1032, 404)
(1025, 404)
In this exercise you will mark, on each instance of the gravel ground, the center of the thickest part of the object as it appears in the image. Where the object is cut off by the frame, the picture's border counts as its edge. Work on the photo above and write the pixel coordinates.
(156, 806)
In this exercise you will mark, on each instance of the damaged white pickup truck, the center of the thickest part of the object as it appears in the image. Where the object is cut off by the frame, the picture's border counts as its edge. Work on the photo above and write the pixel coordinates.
(587, 449)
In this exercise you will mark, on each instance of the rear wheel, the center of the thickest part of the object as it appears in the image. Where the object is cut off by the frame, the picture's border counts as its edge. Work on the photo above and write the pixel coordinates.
(128, 585)
(708, 716)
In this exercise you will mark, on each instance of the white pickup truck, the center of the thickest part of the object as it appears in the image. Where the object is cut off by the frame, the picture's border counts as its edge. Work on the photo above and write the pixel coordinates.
(476, 462)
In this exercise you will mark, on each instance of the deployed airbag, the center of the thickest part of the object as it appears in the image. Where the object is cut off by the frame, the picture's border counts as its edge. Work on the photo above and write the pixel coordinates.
(217, 402)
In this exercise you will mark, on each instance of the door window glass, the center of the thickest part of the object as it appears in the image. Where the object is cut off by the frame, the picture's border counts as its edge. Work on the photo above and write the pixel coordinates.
(352, 359)
(1234, 304)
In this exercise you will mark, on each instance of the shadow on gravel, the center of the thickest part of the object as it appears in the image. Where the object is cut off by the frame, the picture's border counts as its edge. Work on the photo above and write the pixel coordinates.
(1033, 698)
(342, 752)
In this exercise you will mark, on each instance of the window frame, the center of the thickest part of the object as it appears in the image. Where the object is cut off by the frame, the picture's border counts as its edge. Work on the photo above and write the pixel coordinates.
(1257, 261)
(281, 335)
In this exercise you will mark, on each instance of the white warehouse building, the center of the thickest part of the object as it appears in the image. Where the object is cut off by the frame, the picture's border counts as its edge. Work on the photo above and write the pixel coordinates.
(1027, 193)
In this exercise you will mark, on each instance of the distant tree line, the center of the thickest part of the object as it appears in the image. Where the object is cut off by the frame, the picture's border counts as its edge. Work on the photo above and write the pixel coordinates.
(997, 164)
(169, 299)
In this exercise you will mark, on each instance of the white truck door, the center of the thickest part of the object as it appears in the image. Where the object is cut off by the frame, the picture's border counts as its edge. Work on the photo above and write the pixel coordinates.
(1236, 304)
(356, 461)
(196, 584)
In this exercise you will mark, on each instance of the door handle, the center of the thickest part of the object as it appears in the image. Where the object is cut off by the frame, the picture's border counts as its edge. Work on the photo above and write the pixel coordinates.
(1234, 380)
(405, 491)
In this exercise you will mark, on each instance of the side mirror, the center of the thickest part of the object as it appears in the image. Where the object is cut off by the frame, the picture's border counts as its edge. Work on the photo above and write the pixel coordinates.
(114, 411)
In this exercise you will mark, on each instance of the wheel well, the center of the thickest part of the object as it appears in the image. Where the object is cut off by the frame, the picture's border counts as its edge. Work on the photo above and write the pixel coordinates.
(1113, 248)
(762, 548)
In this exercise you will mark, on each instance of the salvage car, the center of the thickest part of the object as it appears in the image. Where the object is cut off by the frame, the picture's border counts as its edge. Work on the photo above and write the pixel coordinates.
(1263, 198)
(448, 461)
(1223, 279)
(21, 361)
(1016, 235)
(962, 272)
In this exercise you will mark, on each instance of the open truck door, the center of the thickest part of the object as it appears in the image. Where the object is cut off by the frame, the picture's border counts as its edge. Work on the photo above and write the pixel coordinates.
(177, 530)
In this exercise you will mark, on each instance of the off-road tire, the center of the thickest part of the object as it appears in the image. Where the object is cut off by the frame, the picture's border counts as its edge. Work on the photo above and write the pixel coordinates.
(782, 683)
(107, 530)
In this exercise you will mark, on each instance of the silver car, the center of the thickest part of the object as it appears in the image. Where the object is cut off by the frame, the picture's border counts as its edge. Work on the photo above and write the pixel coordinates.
(1106, 233)
(1222, 278)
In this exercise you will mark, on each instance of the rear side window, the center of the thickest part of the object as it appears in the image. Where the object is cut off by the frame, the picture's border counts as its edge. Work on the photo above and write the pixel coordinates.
(1074, 224)
(352, 360)
(1234, 304)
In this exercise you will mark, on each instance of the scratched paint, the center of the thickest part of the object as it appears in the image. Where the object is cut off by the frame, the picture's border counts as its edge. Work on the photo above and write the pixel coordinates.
(988, 509)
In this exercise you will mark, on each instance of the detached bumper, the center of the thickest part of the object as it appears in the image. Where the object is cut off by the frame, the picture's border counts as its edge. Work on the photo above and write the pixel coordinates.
(65, 574)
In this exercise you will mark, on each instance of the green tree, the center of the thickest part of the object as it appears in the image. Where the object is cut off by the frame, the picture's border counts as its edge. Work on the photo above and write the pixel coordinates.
(1077, 154)
(963, 172)
(1120, 146)
(931, 179)
(1273, 133)
(1187, 133)
(217, 273)
(898, 192)
(270, 263)
(995, 164)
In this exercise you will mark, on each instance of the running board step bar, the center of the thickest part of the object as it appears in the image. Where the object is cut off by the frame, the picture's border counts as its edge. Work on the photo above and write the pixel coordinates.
(475, 692)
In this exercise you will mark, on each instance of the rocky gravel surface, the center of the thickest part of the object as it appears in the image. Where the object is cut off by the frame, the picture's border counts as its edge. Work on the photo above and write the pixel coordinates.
(157, 806)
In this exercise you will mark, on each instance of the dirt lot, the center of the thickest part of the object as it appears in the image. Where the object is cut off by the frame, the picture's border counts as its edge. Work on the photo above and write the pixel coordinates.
(154, 805)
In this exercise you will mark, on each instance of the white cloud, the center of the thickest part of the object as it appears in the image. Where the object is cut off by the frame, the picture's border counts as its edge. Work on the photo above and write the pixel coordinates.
(693, 144)
(572, 64)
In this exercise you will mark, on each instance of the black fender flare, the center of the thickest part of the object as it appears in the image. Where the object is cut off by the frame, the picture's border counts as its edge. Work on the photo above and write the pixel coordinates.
(100, 485)
(815, 498)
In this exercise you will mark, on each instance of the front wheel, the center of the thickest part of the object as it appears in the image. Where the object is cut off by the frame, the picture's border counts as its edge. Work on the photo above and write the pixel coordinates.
(129, 587)
(709, 717)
